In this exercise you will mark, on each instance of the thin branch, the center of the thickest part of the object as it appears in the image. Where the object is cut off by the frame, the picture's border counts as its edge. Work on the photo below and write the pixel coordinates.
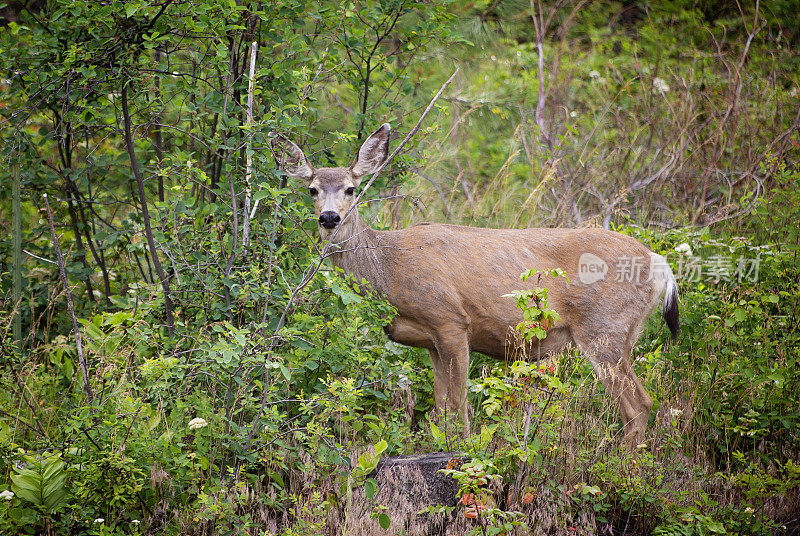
(23, 423)
(37, 257)
(37, 19)
(402, 144)
(62, 270)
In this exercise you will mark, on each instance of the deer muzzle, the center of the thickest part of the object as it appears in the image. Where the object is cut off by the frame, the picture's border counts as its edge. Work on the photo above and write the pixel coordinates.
(329, 219)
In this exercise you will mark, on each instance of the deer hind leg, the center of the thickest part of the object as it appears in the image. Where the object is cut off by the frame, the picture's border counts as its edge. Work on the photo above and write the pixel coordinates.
(610, 356)
(450, 362)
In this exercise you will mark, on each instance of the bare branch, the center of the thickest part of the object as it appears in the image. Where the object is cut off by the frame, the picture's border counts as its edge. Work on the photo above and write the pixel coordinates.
(76, 329)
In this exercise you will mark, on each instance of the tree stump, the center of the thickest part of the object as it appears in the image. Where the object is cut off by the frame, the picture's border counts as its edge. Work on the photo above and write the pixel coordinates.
(406, 485)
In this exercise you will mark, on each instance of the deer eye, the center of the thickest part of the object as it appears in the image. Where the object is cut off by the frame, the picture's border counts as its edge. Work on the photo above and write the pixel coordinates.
(312, 191)
(350, 191)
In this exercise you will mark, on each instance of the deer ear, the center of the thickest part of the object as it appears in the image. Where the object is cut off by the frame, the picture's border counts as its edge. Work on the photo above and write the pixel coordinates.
(291, 159)
(373, 152)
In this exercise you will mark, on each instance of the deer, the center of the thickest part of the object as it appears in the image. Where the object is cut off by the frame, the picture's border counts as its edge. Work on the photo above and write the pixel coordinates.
(449, 285)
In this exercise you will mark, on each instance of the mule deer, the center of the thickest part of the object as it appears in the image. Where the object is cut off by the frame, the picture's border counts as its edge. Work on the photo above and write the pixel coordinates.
(447, 283)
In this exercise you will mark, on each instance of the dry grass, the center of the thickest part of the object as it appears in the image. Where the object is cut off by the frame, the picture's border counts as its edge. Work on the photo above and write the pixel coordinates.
(672, 133)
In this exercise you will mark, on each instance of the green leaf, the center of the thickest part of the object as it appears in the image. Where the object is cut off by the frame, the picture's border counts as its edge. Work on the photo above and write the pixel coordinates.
(370, 487)
(276, 478)
(93, 331)
(437, 435)
(42, 483)
(384, 521)
(27, 486)
(261, 194)
(286, 373)
(52, 469)
(55, 499)
(716, 528)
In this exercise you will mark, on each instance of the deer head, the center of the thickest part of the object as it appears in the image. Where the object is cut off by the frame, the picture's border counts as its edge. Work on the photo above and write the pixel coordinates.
(332, 188)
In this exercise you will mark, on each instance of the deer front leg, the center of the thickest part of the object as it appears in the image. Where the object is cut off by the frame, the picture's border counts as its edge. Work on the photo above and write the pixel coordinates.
(440, 383)
(450, 362)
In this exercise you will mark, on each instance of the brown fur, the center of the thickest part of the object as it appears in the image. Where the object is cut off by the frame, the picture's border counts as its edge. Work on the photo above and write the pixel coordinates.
(448, 282)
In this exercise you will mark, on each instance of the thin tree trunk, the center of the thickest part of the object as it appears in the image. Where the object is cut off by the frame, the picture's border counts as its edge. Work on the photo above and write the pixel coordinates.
(249, 173)
(16, 229)
(228, 83)
(151, 243)
(141, 268)
(73, 217)
(232, 256)
(78, 343)
(64, 127)
(99, 258)
(158, 141)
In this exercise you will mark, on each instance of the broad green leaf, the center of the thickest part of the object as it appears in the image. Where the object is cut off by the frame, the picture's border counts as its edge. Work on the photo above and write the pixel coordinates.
(286, 373)
(370, 487)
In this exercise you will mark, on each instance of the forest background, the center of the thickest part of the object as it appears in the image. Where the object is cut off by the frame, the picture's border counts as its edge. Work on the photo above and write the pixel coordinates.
(201, 372)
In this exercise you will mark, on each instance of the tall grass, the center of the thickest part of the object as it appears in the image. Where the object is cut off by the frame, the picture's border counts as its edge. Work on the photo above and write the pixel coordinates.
(664, 122)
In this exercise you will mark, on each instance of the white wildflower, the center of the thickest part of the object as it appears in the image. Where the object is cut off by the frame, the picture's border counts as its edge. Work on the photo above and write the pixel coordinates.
(6, 495)
(197, 422)
(660, 85)
(684, 249)
(135, 521)
(594, 74)
(99, 520)
(573, 113)
(675, 412)
(749, 510)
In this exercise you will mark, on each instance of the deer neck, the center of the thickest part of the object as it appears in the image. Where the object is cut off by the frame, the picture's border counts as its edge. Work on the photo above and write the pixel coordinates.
(356, 251)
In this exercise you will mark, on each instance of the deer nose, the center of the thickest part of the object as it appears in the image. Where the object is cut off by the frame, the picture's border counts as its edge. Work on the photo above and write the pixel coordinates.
(329, 219)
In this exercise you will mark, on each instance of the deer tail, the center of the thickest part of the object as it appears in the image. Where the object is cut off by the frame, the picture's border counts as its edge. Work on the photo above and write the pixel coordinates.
(670, 308)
